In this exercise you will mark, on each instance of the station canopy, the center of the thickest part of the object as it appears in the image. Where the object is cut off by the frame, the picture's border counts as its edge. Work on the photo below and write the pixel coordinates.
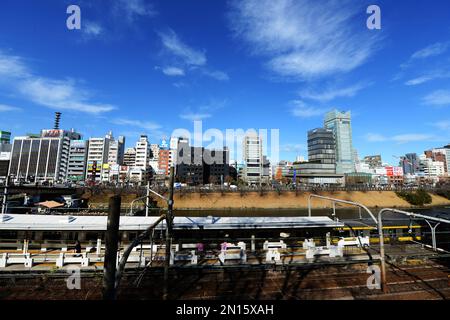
(130, 223)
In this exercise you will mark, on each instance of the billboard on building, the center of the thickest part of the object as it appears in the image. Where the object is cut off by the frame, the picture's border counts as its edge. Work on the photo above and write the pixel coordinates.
(5, 156)
(164, 145)
(52, 133)
(78, 143)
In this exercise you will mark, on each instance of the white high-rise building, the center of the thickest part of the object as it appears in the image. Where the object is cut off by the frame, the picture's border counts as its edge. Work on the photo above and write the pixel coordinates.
(76, 168)
(253, 159)
(98, 155)
(155, 151)
(116, 151)
(142, 153)
(430, 168)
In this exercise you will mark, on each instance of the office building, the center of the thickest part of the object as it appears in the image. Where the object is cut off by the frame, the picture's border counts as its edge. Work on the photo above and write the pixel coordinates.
(154, 151)
(440, 154)
(142, 153)
(430, 168)
(116, 151)
(321, 152)
(190, 168)
(43, 158)
(97, 157)
(340, 124)
(253, 159)
(216, 165)
(129, 157)
(164, 158)
(410, 163)
(76, 167)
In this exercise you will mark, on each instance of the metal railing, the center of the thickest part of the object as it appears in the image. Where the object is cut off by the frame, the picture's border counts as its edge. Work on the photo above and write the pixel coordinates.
(334, 201)
(380, 232)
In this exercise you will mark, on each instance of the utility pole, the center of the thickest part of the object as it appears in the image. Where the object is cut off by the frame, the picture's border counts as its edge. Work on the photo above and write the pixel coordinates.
(169, 221)
(112, 239)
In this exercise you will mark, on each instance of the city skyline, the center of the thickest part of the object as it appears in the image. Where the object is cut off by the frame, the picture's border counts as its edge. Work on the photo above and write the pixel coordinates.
(224, 63)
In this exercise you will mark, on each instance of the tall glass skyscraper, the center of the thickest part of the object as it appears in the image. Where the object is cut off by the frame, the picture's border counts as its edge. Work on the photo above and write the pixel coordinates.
(340, 124)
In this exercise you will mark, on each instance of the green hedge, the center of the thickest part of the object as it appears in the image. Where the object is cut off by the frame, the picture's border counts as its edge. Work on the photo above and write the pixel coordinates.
(418, 198)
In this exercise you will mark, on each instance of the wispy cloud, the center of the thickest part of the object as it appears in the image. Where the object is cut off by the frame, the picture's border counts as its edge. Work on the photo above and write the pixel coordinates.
(173, 71)
(91, 29)
(293, 147)
(437, 98)
(442, 125)
(428, 76)
(332, 93)
(175, 46)
(61, 94)
(188, 57)
(431, 51)
(195, 116)
(303, 39)
(133, 9)
(12, 66)
(7, 108)
(148, 125)
(216, 74)
(204, 111)
(419, 80)
(402, 138)
(302, 110)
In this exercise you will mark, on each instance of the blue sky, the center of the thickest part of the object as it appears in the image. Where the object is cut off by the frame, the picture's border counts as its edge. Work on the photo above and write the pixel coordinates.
(154, 66)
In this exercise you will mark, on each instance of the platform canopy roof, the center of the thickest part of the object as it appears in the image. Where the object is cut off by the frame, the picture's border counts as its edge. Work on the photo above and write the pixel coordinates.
(128, 223)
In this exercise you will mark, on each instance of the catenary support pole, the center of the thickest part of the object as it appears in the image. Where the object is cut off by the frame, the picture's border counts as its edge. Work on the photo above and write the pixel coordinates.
(5, 196)
(112, 239)
(169, 221)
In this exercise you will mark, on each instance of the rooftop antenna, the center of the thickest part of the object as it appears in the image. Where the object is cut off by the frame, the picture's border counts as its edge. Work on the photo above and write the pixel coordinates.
(57, 119)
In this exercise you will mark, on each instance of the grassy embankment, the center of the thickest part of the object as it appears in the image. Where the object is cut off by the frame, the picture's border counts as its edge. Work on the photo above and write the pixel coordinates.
(273, 200)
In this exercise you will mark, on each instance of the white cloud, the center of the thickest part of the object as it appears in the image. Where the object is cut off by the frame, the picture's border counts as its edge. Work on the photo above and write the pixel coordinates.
(443, 125)
(132, 9)
(431, 51)
(7, 108)
(216, 74)
(91, 29)
(430, 76)
(12, 66)
(332, 93)
(52, 93)
(192, 59)
(302, 38)
(375, 137)
(148, 125)
(293, 147)
(302, 110)
(412, 137)
(173, 71)
(195, 116)
(437, 98)
(175, 46)
(400, 139)
(204, 111)
(419, 80)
